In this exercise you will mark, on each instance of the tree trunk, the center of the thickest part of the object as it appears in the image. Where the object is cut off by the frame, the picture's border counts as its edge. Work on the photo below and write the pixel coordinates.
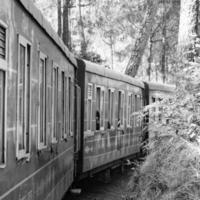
(188, 28)
(111, 52)
(163, 55)
(142, 39)
(150, 57)
(82, 33)
(59, 18)
(66, 30)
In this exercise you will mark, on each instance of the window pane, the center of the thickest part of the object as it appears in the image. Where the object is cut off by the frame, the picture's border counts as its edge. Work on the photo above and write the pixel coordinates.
(89, 113)
(2, 96)
(109, 109)
(112, 108)
(63, 102)
(122, 109)
(27, 117)
(66, 110)
(119, 109)
(21, 124)
(102, 108)
(98, 93)
(41, 85)
(89, 107)
(54, 102)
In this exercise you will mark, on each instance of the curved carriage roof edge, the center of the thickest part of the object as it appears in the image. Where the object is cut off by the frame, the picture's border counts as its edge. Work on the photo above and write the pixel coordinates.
(38, 16)
(161, 87)
(101, 71)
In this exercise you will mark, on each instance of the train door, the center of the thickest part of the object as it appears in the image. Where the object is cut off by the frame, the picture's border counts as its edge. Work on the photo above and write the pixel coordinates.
(77, 136)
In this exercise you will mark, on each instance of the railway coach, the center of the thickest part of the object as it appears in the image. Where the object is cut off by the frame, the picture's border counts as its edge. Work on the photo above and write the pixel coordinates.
(110, 133)
(37, 81)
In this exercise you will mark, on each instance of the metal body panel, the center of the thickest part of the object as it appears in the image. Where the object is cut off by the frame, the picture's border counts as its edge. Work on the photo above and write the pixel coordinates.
(104, 148)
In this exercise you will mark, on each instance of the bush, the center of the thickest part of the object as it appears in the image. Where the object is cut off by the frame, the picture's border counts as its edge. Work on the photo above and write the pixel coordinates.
(171, 170)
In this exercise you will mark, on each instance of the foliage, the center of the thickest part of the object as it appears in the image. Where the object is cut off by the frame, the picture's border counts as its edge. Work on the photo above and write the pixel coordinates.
(171, 170)
(112, 28)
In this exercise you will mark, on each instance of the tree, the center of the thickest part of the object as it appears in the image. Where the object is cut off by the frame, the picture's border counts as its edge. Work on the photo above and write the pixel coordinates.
(188, 28)
(66, 29)
(142, 38)
(82, 32)
(59, 18)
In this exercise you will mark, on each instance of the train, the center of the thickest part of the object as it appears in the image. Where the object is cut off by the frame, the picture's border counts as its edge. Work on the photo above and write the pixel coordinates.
(61, 118)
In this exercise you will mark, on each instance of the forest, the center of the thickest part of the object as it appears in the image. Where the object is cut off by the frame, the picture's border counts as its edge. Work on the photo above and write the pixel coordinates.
(153, 40)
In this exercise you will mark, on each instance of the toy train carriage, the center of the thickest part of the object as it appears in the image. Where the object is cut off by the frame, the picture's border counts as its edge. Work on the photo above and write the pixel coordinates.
(111, 131)
(37, 75)
(157, 92)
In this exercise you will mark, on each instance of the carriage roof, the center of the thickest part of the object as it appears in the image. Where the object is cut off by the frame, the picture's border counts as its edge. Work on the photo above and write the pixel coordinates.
(108, 73)
(161, 87)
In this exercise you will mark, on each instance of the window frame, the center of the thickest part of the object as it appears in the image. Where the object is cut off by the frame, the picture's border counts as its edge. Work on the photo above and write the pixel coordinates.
(102, 108)
(20, 154)
(122, 106)
(70, 106)
(65, 128)
(98, 87)
(112, 125)
(4, 68)
(54, 138)
(91, 110)
(129, 109)
(42, 145)
(4, 62)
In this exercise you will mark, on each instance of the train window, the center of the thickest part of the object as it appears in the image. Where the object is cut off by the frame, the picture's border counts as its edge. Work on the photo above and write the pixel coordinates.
(89, 107)
(23, 99)
(70, 106)
(102, 109)
(42, 137)
(55, 104)
(134, 110)
(63, 104)
(139, 107)
(66, 108)
(120, 109)
(2, 42)
(111, 108)
(2, 118)
(3, 68)
(129, 99)
(160, 111)
(98, 104)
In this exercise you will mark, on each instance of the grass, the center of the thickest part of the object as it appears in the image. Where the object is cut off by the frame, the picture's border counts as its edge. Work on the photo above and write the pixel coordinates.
(171, 171)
